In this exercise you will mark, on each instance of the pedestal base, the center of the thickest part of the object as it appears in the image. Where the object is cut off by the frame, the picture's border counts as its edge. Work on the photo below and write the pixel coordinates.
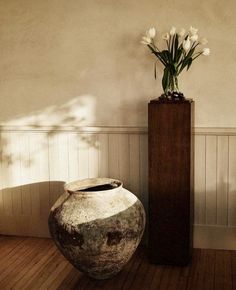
(170, 181)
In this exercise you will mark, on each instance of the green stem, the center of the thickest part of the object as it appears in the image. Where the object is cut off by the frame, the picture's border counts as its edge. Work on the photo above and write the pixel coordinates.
(197, 55)
(153, 51)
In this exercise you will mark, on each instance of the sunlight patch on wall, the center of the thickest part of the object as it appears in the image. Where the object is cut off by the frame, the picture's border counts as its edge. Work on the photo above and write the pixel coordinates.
(77, 112)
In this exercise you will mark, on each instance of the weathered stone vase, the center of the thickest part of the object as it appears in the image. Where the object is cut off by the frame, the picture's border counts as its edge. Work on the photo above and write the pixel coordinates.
(97, 225)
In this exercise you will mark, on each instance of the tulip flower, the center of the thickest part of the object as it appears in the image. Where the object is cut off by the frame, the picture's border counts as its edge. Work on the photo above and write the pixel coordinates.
(181, 33)
(194, 37)
(182, 49)
(151, 32)
(193, 30)
(186, 44)
(206, 51)
(203, 41)
(166, 36)
(146, 40)
(173, 31)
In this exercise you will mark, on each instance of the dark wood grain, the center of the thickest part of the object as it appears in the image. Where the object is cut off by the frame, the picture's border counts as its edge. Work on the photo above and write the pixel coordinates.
(37, 264)
(170, 181)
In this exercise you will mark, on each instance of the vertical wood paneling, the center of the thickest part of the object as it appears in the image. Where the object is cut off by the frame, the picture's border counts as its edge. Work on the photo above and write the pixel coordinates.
(58, 164)
(103, 152)
(83, 156)
(211, 197)
(6, 176)
(200, 180)
(15, 169)
(134, 163)
(25, 173)
(63, 160)
(222, 179)
(113, 156)
(232, 182)
(143, 173)
(44, 186)
(34, 156)
(124, 161)
(73, 157)
(93, 156)
(34, 166)
(1, 178)
(40, 194)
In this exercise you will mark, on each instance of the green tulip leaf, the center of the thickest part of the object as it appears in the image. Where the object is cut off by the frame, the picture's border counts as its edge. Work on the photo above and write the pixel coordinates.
(165, 79)
(189, 63)
(176, 47)
(155, 70)
(165, 55)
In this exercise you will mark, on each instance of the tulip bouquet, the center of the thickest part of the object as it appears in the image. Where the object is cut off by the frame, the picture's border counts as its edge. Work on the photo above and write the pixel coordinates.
(182, 50)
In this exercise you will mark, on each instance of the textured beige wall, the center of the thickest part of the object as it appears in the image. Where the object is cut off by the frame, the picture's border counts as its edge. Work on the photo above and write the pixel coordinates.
(80, 61)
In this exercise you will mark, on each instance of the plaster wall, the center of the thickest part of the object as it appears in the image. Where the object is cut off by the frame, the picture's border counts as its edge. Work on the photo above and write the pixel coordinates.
(81, 62)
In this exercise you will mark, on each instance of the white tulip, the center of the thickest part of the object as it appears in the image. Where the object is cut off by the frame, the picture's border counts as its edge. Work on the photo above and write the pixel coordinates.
(194, 37)
(181, 33)
(186, 44)
(193, 30)
(146, 40)
(173, 31)
(166, 36)
(151, 32)
(203, 41)
(206, 51)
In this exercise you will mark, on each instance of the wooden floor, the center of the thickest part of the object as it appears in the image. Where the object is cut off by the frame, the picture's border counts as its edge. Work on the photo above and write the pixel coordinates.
(31, 263)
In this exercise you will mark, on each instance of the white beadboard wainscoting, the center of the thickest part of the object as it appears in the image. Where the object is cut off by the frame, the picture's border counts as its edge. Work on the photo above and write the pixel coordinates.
(35, 163)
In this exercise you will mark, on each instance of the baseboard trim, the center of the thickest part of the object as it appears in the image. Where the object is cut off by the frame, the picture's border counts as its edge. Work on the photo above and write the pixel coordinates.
(214, 237)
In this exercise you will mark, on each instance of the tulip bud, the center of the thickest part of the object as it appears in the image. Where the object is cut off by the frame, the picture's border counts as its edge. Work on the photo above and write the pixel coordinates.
(206, 51)
(146, 40)
(151, 32)
(173, 31)
(181, 32)
(194, 37)
(166, 36)
(193, 30)
(186, 44)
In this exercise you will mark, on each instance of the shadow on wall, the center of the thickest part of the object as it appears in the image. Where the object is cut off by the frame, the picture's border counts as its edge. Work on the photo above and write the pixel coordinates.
(24, 209)
(212, 207)
(15, 134)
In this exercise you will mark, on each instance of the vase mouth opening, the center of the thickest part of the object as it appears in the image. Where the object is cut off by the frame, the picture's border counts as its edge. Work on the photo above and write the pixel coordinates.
(93, 185)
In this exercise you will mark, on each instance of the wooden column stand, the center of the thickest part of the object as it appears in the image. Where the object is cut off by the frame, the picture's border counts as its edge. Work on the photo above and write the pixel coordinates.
(170, 146)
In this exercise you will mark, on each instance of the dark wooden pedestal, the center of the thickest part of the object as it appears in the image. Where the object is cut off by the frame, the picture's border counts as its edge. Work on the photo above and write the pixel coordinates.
(170, 148)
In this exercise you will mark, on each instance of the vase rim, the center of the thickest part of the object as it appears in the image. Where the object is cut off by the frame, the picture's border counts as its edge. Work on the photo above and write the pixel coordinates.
(85, 186)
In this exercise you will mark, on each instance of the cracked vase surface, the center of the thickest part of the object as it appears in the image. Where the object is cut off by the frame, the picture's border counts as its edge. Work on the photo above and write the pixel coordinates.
(97, 225)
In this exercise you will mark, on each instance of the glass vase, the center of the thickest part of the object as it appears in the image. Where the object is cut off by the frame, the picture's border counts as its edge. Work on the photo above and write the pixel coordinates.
(172, 85)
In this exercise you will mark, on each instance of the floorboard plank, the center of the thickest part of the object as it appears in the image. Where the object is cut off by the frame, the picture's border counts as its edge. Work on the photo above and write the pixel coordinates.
(68, 281)
(117, 281)
(133, 271)
(36, 268)
(156, 280)
(194, 269)
(7, 246)
(56, 281)
(25, 262)
(45, 273)
(16, 257)
(139, 281)
(203, 271)
(223, 274)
